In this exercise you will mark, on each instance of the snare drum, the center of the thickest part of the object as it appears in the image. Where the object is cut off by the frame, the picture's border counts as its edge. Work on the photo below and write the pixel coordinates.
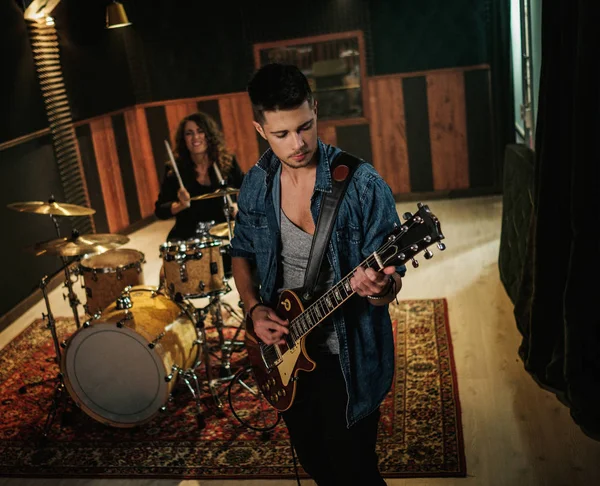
(194, 267)
(107, 274)
(119, 368)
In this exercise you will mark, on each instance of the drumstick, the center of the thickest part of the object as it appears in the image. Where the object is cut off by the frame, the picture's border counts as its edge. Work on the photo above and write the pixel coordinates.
(174, 164)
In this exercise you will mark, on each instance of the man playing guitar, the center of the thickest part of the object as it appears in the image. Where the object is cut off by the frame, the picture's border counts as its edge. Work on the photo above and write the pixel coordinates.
(334, 412)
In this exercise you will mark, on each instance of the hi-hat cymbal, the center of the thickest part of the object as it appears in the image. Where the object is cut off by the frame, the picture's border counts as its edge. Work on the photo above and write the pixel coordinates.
(221, 230)
(57, 209)
(81, 245)
(226, 191)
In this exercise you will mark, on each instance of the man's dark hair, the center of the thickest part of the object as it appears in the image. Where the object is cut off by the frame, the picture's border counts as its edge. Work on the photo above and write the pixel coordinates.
(278, 86)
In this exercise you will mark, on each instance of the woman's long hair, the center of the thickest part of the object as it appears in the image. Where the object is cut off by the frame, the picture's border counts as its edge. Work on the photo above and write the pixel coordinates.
(215, 141)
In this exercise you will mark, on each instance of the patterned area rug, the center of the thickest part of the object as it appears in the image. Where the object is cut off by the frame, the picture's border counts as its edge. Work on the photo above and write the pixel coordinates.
(420, 432)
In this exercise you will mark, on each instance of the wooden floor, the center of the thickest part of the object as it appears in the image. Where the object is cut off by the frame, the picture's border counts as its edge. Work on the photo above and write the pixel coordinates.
(516, 434)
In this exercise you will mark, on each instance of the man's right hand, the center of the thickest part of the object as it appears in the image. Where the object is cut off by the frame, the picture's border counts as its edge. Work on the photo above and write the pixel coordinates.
(268, 326)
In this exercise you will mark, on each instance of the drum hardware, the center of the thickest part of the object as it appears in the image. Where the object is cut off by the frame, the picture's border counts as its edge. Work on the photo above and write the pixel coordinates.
(65, 247)
(71, 295)
(212, 383)
(189, 377)
(59, 388)
(225, 229)
(221, 192)
(226, 346)
(203, 228)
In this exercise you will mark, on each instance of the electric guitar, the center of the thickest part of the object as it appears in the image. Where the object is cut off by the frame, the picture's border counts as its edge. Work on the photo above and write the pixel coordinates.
(276, 366)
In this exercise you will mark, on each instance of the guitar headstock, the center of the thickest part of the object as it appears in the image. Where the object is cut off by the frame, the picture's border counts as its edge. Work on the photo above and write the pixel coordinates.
(419, 231)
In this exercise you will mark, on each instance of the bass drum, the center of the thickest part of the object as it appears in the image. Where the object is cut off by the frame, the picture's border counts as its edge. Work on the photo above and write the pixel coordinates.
(119, 368)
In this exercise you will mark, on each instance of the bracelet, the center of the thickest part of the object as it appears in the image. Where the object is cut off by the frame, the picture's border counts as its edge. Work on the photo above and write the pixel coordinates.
(391, 285)
(251, 310)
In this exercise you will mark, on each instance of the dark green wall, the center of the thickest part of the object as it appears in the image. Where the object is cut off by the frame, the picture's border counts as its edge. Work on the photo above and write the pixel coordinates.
(410, 35)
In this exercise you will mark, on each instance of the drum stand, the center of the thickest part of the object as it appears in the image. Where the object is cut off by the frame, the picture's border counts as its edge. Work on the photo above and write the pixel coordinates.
(59, 389)
(71, 295)
(227, 347)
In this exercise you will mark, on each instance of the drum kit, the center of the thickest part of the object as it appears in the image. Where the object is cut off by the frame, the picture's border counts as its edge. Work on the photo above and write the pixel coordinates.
(122, 364)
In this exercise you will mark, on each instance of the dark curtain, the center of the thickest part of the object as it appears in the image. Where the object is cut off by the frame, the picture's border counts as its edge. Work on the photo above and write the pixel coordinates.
(555, 310)
(499, 42)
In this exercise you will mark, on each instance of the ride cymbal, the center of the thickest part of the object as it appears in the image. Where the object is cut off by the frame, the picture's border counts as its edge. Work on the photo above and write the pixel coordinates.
(226, 191)
(81, 245)
(221, 230)
(54, 208)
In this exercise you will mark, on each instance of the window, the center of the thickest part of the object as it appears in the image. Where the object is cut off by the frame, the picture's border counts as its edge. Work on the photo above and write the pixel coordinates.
(334, 65)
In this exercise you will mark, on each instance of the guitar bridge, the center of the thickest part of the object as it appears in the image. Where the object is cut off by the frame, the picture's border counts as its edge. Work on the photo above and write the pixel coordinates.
(269, 356)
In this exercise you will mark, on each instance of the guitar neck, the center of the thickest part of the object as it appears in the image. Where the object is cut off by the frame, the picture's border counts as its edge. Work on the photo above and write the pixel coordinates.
(329, 301)
(321, 308)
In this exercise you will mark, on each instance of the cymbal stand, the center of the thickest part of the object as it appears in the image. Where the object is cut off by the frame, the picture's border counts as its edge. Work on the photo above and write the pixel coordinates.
(71, 295)
(228, 210)
(59, 390)
(227, 346)
(190, 377)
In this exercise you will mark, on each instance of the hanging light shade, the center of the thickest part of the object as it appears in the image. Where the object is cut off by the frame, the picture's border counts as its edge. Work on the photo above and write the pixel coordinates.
(116, 16)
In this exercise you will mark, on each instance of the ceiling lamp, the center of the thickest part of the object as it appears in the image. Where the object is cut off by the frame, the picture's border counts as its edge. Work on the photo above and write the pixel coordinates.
(116, 16)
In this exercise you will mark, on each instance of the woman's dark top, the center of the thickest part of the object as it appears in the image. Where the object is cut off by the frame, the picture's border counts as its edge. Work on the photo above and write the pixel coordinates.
(204, 210)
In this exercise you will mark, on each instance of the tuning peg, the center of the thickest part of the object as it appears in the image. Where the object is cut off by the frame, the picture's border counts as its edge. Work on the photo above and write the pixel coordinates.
(415, 263)
(427, 254)
(407, 216)
(441, 246)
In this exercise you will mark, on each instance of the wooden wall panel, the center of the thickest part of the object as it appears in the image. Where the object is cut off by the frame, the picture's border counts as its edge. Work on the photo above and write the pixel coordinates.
(109, 171)
(448, 130)
(388, 132)
(144, 166)
(175, 112)
(240, 134)
(327, 133)
(429, 131)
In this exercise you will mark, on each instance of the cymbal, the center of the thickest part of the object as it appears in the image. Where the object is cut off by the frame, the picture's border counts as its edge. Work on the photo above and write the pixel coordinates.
(226, 191)
(81, 245)
(57, 209)
(221, 230)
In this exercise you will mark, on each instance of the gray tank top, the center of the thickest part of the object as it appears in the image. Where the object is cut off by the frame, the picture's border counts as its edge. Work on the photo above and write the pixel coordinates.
(295, 249)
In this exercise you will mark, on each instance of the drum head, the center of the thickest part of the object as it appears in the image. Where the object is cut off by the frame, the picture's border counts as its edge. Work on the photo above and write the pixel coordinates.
(114, 375)
(113, 259)
(188, 246)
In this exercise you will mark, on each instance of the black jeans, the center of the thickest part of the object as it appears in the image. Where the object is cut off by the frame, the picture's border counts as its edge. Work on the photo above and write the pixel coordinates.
(329, 452)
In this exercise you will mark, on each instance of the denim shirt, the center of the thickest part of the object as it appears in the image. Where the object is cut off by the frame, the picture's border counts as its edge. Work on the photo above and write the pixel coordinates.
(366, 216)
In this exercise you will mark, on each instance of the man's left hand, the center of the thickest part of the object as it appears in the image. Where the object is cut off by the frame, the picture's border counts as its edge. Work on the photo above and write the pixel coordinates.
(370, 282)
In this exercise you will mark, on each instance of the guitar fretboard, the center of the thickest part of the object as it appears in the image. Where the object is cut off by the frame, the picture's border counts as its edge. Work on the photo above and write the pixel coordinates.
(326, 304)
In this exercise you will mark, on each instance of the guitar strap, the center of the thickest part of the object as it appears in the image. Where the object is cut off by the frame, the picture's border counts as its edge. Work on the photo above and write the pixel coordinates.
(342, 170)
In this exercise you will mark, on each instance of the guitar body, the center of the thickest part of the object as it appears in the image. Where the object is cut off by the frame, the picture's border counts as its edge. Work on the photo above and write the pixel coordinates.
(276, 367)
